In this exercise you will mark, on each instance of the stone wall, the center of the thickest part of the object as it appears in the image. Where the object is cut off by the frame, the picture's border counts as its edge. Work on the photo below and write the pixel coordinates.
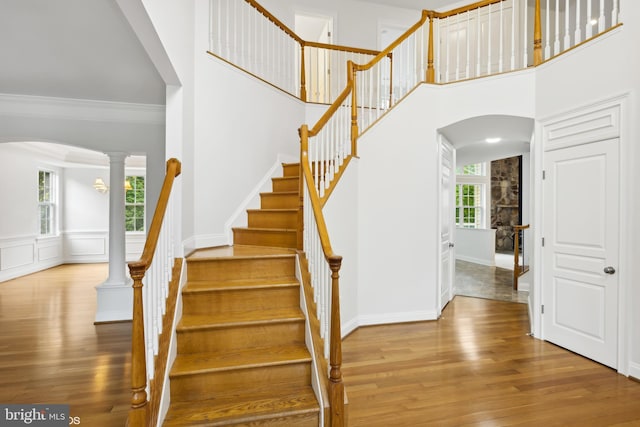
(505, 191)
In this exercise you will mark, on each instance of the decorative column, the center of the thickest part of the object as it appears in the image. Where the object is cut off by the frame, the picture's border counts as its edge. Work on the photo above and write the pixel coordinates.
(115, 295)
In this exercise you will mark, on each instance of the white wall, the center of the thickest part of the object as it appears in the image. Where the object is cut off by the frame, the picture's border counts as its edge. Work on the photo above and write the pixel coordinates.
(241, 128)
(397, 189)
(600, 71)
(22, 250)
(476, 245)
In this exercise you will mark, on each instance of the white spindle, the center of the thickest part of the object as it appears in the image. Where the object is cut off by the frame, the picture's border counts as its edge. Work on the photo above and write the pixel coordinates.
(478, 41)
(489, 41)
(577, 36)
(525, 37)
(601, 19)
(556, 44)
(500, 44)
(513, 35)
(468, 46)
(457, 46)
(614, 13)
(447, 49)
(567, 37)
(588, 30)
(547, 47)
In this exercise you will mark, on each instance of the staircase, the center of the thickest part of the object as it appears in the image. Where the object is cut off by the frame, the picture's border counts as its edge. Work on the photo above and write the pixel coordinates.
(242, 358)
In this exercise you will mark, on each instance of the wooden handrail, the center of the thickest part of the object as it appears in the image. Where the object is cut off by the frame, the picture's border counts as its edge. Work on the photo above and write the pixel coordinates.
(275, 20)
(384, 53)
(516, 254)
(138, 415)
(336, 386)
(341, 48)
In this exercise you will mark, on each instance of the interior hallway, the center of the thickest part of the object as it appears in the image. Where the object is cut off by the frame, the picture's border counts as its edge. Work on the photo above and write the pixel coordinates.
(481, 281)
(474, 367)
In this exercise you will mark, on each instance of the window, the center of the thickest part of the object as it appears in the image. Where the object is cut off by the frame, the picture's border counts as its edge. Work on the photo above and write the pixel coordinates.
(469, 205)
(46, 202)
(472, 183)
(134, 203)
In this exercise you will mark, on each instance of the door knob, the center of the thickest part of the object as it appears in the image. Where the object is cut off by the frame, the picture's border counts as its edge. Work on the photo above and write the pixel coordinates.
(451, 245)
(609, 270)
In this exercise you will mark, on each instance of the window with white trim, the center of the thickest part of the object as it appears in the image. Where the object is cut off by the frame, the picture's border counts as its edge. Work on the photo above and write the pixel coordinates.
(47, 202)
(471, 197)
(134, 205)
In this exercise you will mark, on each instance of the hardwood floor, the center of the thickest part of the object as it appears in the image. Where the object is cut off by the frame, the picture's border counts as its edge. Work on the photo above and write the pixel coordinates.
(477, 367)
(474, 367)
(51, 352)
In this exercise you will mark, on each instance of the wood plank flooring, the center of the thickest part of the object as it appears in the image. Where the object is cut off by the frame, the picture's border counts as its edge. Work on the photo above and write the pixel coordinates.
(474, 367)
(477, 367)
(51, 352)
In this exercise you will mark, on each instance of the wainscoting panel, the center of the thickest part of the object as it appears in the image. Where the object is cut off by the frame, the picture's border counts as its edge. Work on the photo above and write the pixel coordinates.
(17, 255)
(28, 254)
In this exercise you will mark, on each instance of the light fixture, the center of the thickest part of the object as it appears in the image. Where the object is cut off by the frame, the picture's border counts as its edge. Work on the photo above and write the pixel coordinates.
(101, 187)
(493, 140)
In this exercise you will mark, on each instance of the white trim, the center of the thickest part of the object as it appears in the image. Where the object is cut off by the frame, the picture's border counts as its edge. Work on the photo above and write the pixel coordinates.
(80, 109)
(475, 260)
(210, 240)
(401, 317)
(349, 326)
(634, 370)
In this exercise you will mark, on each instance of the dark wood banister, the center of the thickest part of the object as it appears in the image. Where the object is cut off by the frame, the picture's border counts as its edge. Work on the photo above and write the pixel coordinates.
(139, 413)
(336, 386)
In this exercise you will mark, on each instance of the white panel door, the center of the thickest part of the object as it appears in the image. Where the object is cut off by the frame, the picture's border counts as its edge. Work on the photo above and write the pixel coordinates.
(580, 287)
(447, 221)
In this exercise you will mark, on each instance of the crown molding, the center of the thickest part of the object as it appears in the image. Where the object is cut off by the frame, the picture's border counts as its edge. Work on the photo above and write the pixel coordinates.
(80, 109)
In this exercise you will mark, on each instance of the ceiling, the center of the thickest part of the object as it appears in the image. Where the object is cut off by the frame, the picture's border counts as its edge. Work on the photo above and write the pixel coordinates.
(440, 5)
(83, 49)
(469, 136)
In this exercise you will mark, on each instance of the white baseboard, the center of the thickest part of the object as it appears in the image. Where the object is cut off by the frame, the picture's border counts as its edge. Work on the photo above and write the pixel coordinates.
(476, 260)
(634, 370)
(28, 269)
(386, 319)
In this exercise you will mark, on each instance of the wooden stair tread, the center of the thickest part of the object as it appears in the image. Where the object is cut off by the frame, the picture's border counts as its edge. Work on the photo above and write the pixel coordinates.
(238, 251)
(189, 364)
(240, 318)
(213, 285)
(275, 210)
(266, 230)
(238, 408)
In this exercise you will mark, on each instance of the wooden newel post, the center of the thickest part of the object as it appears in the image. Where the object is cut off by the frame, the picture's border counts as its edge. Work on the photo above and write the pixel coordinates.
(138, 414)
(537, 36)
(431, 75)
(351, 75)
(303, 76)
(336, 386)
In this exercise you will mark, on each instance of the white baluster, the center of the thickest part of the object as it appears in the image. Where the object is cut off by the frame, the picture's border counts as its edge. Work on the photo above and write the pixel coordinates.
(525, 42)
(547, 47)
(448, 35)
(614, 13)
(478, 42)
(577, 36)
(513, 35)
(468, 46)
(556, 44)
(500, 44)
(588, 30)
(567, 37)
(489, 41)
(457, 46)
(601, 19)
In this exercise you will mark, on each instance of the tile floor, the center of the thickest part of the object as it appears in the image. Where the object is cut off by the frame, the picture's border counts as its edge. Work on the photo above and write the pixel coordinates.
(481, 281)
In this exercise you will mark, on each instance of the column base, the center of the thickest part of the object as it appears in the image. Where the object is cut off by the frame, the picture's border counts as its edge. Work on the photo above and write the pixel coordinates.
(114, 301)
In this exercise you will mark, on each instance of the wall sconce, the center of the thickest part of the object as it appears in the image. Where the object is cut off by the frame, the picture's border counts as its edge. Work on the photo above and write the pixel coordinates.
(101, 187)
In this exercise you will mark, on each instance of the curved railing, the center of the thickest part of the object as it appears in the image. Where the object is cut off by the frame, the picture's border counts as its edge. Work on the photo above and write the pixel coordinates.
(157, 259)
